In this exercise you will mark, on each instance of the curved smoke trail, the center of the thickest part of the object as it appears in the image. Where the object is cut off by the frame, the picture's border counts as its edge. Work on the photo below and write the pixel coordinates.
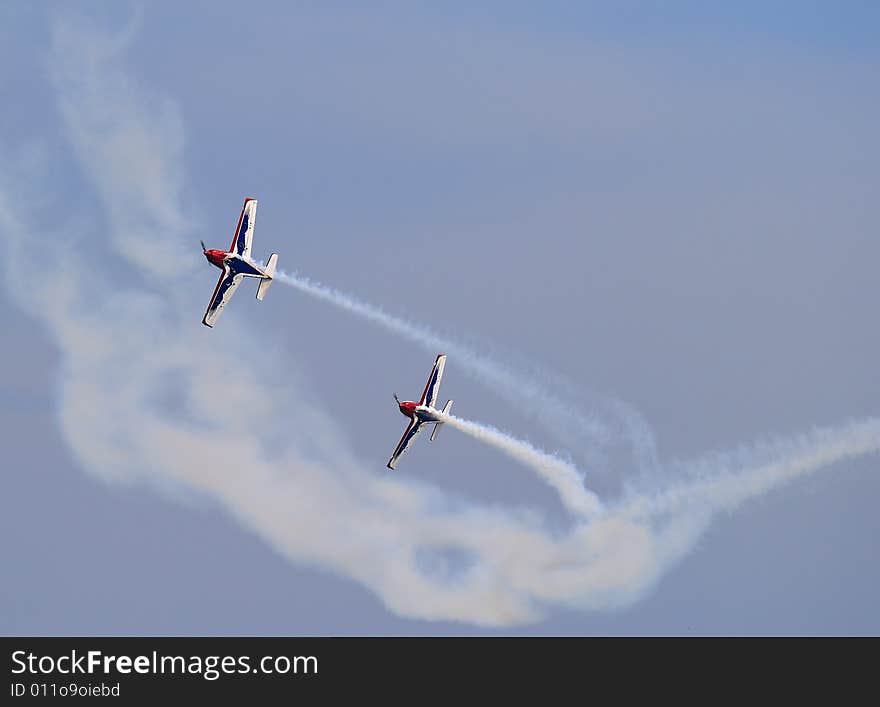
(561, 475)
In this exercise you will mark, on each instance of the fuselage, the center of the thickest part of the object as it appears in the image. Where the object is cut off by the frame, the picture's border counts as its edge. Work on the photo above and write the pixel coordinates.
(423, 412)
(223, 259)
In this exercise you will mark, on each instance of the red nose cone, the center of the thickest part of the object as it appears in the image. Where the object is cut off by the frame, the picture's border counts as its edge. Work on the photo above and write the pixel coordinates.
(407, 408)
(215, 257)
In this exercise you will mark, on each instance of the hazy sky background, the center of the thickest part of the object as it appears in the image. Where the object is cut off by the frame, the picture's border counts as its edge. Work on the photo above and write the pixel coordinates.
(674, 207)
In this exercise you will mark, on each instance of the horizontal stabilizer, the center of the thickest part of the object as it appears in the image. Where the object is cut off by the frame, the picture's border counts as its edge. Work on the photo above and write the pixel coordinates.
(263, 287)
(437, 425)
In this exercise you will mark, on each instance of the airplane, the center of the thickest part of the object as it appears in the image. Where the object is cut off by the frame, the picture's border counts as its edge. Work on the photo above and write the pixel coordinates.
(422, 412)
(236, 264)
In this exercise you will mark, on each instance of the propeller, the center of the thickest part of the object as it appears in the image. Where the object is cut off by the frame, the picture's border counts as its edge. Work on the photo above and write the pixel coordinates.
(204, 248)
(396, 399)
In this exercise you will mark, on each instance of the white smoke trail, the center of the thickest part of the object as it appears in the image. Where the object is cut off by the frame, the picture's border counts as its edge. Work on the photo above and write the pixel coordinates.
(563, 417)
(497, 375)
(284, 469)
(724, 481)
(561, 475)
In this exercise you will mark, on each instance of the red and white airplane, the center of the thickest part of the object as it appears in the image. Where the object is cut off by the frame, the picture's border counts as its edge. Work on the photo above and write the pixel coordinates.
(236, 264)
(422, 412)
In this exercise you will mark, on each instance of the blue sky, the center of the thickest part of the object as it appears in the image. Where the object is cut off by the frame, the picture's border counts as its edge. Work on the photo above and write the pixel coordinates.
(665, 217)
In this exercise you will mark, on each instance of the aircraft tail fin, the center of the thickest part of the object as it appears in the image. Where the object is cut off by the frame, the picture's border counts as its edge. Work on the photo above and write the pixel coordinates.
(436, 429)
(263, 287)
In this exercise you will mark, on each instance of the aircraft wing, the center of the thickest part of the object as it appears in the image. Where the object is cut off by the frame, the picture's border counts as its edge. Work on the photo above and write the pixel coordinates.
(409, 435)
(432, 387)
(244, 232)
(226, 286)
